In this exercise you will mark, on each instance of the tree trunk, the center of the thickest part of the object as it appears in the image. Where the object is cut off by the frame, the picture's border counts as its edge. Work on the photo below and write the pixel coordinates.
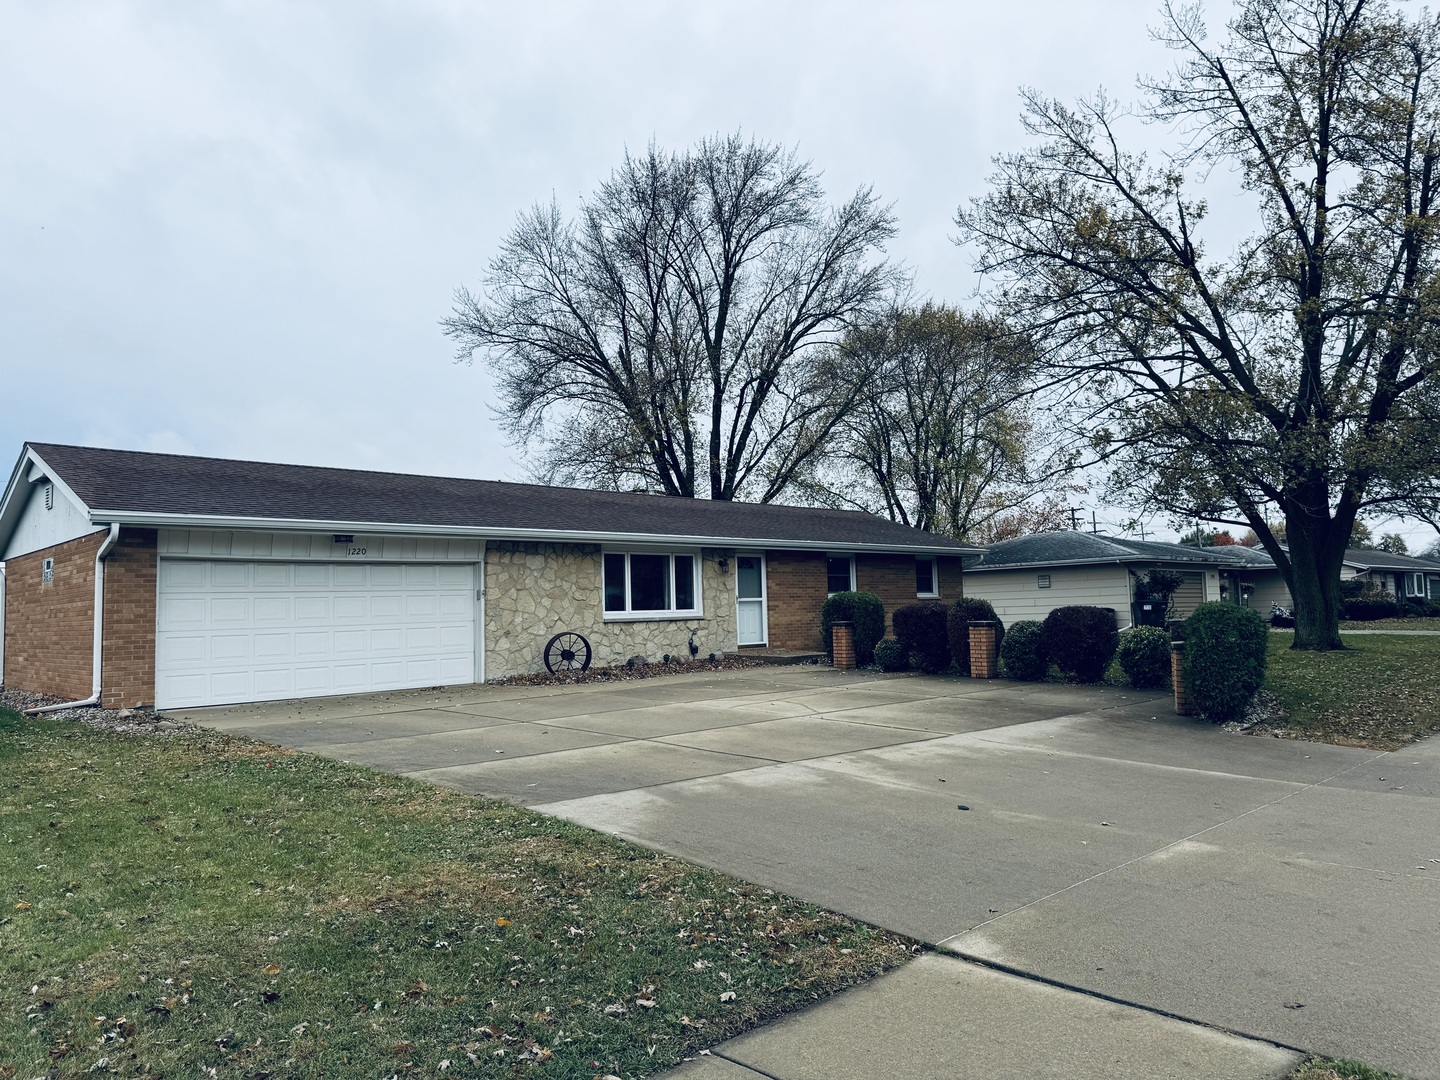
(1315, 560)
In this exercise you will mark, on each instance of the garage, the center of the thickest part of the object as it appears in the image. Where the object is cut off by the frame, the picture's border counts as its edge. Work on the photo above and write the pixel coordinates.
(233, 631)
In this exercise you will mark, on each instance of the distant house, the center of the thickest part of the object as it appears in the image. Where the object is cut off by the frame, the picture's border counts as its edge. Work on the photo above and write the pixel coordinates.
(1027, 577)
(1260, 583)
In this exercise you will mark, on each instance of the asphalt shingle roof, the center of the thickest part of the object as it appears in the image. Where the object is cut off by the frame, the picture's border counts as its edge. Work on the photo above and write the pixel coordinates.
(1384, 560)
(1072, 548)
(160, 484)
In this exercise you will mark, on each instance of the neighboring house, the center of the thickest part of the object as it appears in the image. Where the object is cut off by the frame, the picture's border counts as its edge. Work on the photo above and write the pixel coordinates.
(1028, 577)
(1259, 583)
(179, 581)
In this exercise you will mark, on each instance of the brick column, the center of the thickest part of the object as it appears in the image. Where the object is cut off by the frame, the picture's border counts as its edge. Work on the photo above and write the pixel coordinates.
(983, 663)
(842, 639)
(1183, 706)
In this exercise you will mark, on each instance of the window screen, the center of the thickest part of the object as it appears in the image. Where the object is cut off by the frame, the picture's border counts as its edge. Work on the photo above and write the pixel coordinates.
(925, 577)
(684, 582)
(614, 582)
(837, 572)
(649, 582)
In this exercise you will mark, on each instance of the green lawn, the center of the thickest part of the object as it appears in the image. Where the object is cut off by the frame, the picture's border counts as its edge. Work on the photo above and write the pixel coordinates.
(1393, 624)
(178, 905)
(1382, 690)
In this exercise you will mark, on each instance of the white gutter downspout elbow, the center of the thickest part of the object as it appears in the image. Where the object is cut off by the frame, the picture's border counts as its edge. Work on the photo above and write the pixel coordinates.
(94, 698)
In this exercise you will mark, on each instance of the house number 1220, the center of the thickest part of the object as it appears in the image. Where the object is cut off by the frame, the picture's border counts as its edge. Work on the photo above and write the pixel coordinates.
(355, 551)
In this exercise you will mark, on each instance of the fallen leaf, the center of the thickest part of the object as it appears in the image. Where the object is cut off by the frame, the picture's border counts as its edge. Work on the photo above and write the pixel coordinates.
(270, 969)
(22, 906)
(502, 922)
(727, 996)
(615, 1009)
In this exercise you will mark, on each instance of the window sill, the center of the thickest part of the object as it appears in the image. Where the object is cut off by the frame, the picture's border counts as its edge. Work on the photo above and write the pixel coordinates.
(927, 596)
(652, 616)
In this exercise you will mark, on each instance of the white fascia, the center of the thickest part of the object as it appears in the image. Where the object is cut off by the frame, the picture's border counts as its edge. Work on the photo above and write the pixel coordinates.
(201, 521)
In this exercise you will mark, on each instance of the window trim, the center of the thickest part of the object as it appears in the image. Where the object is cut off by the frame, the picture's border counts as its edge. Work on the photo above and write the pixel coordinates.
(934, 562)
(839, 555)
(659, 615)
(1415, 585)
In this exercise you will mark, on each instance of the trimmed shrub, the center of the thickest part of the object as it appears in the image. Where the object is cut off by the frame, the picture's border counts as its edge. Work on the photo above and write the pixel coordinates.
(867, 613)
(1022, 653)
(966, 609)
(890, 655)
(1145, 657)
(921, 630)
(1225, 651)
(1081, 641)
(1369, 608)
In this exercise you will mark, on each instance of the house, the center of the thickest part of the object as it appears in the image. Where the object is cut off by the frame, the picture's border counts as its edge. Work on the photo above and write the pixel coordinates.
(157, 579)
(1028, 577)
(1259, 583)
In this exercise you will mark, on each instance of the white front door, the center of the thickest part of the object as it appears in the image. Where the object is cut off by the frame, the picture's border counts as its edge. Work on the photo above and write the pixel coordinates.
(255, 631)
(750, 626)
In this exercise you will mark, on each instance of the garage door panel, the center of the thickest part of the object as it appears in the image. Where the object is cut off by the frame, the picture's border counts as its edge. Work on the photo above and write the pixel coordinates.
(233, 631)
(224, 575)
(273, 609)
(229, 609)
(311, 575)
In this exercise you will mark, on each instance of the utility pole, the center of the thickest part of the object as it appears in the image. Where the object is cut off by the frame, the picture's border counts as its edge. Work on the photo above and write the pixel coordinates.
(1094, 525)
(1074, 518)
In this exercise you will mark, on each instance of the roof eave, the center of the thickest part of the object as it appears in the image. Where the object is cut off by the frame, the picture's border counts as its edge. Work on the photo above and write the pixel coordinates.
(1114, 561)
(478, 532)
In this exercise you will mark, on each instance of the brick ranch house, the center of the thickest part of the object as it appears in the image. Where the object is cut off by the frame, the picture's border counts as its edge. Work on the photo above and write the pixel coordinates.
(140, 579)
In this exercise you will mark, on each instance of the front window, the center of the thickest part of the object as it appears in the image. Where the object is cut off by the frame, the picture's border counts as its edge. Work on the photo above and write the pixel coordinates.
(642, 583)
(926, 580)
(839, 573)
(1414, 584)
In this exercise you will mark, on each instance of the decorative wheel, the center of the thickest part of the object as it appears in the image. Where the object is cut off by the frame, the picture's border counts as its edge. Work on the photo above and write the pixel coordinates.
(567, 651)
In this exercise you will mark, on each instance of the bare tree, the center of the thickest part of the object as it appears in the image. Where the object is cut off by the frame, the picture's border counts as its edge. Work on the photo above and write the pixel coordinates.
(668, 338)
(940, 436)
(1298, 373)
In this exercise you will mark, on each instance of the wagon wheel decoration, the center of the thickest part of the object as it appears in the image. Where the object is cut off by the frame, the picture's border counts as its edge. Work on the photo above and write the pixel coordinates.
(567, 651)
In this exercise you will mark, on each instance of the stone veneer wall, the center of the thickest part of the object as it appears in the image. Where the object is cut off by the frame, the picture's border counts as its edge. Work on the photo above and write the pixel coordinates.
(534, 591)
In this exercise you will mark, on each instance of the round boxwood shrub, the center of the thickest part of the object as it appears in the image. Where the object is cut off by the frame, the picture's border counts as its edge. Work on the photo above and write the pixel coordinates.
(890, 655)
(1022, 653)
(921, 630)
(1224, 665)
(1145, 656)
(962, 613)
(1081, 641)
(867, 613)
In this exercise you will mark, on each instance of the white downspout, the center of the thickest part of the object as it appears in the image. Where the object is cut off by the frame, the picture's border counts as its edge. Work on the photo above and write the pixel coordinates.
(94, 698)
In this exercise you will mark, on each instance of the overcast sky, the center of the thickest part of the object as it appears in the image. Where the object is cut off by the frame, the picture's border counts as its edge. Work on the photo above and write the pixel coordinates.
(232, 228)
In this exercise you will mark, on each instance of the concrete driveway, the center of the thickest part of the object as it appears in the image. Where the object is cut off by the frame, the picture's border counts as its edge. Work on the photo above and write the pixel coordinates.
(1286, 890)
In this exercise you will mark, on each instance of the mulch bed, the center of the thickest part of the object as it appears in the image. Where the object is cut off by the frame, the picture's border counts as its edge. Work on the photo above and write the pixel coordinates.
(622, 672)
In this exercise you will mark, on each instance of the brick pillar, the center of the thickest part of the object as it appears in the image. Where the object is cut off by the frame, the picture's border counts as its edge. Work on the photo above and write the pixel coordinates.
(1183, 706)
(982, 650)
(842, 639)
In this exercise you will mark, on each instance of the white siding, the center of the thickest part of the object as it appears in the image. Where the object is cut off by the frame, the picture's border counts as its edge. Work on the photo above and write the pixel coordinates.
(1016, 596)
(253, 544)
(1269, 588)
(41, 528)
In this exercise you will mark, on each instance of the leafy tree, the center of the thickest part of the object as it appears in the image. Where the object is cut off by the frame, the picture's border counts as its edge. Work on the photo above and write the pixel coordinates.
(1361, 535)
(668, 337)
(1295, 374)
(1395, 544)
(941, 435)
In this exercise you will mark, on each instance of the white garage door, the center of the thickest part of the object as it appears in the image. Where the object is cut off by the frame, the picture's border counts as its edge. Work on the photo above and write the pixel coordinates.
(259, 631)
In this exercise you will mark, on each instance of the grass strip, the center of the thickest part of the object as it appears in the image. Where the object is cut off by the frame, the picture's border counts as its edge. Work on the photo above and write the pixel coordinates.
(1380, 691)
(173, 906)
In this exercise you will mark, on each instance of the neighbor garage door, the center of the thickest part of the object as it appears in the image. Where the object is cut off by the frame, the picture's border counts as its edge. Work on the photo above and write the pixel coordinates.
(258, 631)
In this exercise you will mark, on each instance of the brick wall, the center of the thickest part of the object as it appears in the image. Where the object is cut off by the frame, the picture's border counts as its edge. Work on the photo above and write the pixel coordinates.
(795, 589)
(796, 586)
(50, 627)
(128, 661)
